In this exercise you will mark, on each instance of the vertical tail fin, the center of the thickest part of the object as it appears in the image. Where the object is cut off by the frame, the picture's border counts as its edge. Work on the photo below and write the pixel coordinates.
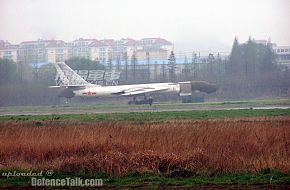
(67, 77)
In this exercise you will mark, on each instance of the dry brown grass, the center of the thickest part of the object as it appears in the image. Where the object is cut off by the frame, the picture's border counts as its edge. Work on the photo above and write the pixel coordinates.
(202, 146)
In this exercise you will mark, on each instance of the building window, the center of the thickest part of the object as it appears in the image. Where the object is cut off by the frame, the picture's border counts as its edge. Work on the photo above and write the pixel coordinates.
(278, 50)
(282, 50)
(59, 50)
(286, 50)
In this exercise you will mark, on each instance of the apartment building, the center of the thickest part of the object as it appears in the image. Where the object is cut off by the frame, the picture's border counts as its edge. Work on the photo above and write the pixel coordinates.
(152, 55)
(33, 51)
(8, 51)
(42, 51)
(100, 51)
(129, 46)
(152, 44)
(109, 49)
(283, 54)
(51, 51)
(81, 48)
(116, 47)
(57, 51)
(156, 48)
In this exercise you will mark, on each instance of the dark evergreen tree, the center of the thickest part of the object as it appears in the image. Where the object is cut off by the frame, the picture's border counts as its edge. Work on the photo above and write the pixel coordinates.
(109, 61)
(210, 67)
(268, 63)
(134, 66)
(186, 69)
(172, 67)
(194, 66)
(8, 71)
(163, 68)
(235, 61)
(252, 66)
(219, 65)
(155, 71)
(148, 66)
(118, 63)
(126, 69)
(250, 60)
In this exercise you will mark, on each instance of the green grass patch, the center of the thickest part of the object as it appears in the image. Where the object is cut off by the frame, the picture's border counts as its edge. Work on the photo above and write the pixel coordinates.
(151, 180)
(154, 116)
(165, 105)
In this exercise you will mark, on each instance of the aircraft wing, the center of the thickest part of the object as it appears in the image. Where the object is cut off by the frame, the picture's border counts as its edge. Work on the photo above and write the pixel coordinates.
(141, 90)
(74, 86)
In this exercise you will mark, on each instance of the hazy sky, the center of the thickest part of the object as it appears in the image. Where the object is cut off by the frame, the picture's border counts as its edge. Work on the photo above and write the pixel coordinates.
(201, 25)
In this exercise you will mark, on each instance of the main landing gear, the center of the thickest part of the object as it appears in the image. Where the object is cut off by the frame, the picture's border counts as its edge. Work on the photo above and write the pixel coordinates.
(146, 100)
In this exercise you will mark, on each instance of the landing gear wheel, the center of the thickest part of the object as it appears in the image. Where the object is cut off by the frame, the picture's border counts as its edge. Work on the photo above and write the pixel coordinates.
(140, 102)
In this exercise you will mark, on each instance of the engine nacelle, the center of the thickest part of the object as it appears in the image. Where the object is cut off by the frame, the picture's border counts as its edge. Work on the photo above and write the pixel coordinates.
(203, 86)
(187, 88)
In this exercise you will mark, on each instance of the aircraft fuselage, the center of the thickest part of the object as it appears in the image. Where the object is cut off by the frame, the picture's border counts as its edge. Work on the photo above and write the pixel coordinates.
(113, 91)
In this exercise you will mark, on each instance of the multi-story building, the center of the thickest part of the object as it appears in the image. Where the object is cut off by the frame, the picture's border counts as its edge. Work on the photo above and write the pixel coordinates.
(8, 51)
(152, 55)
(81, 48)
(152, 44)
(107, 50)
(118, 47)
(130, 47)
(157, 47)
(283, 54)
(42, 51)
(100, 51)
(57, 51)
(154, 48)
(69, 46)
(33, 51)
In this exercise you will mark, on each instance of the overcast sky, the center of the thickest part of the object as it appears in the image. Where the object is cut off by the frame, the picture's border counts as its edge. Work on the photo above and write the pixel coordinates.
(200, 25)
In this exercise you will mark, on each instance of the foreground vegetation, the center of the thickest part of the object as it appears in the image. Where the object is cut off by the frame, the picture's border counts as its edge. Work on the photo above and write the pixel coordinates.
(159, 152)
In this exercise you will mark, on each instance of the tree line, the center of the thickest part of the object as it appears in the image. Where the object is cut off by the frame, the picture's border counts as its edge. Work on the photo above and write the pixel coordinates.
(252, 68)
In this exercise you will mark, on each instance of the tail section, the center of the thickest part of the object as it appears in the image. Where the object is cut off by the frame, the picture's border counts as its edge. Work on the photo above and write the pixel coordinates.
(65, 76)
